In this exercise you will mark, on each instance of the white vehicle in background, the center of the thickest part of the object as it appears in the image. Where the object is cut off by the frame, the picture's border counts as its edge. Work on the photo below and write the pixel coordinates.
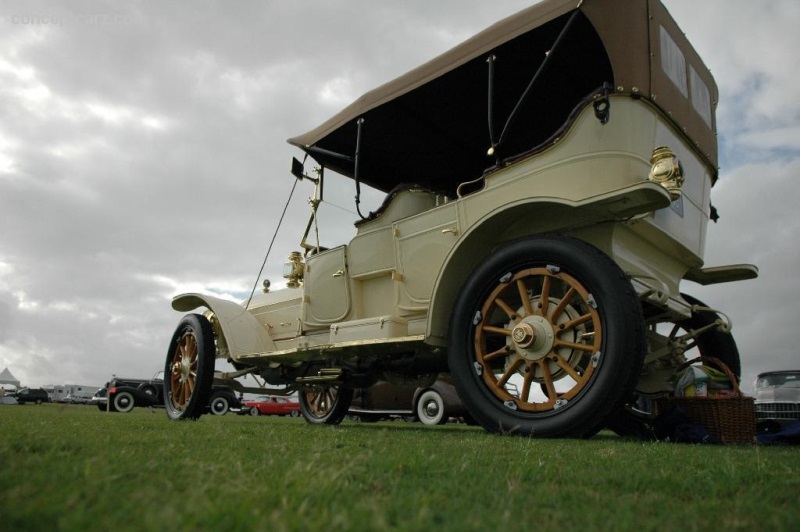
(548, 187)
(777, 399)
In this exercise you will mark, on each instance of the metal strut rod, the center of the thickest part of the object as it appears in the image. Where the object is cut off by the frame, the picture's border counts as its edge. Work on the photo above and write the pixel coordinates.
(530, 86)
(360, 124)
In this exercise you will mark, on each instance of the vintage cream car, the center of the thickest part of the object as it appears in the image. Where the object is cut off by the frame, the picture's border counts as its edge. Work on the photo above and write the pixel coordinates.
(547, 194)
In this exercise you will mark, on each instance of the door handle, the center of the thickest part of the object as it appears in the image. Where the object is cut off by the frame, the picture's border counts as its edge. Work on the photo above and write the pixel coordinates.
(338, 274)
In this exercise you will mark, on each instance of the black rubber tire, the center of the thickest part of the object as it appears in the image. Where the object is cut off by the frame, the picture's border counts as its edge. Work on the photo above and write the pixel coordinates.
(715, 343)
(123, 402)
(189, 368)
(469, 420)
(430, 408)
(255, 412)
(614, 361)
(219, 405)
(325, 405)
(294, 413)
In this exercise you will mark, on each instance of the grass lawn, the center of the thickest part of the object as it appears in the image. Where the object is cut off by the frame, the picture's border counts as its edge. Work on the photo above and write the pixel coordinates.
(76, 468)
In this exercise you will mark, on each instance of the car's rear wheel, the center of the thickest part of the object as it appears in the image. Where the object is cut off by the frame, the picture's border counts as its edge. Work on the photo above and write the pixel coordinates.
(325, 405)
(189, 369)
(700, 335)
(430, 408)
(546, 338)
(123, 402)
(149, 389)
(219, 405)
(715, 342)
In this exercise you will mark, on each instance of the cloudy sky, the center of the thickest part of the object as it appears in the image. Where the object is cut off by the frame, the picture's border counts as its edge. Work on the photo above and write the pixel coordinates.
(143, 154)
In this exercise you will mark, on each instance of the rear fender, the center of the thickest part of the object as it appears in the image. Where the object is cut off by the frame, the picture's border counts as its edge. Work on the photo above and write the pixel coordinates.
(244, 335)
(526, 218)
(139, 397)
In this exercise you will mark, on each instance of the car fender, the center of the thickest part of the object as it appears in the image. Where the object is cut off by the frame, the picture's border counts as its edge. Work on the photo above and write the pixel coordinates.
(523, 218)
(139, 397)
(244, 335)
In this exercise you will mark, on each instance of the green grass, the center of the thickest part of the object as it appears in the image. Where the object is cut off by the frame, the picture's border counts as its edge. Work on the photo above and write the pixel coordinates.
(76, 468)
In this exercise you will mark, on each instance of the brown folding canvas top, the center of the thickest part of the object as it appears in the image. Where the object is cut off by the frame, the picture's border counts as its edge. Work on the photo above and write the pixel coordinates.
(435, 124)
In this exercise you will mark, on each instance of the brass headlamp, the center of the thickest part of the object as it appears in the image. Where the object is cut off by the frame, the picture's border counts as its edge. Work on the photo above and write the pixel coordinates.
(294, 270)
(667, 171)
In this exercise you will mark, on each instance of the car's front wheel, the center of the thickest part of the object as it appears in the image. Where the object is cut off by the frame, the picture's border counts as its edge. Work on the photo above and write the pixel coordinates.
(189, 368)
(546, 338)
(325, 405)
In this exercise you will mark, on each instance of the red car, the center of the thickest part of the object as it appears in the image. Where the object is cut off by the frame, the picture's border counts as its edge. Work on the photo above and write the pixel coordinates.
(271, 406)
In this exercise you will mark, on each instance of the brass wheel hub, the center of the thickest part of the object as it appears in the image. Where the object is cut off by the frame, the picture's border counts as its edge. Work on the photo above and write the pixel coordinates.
(533, 337)
(181, 369)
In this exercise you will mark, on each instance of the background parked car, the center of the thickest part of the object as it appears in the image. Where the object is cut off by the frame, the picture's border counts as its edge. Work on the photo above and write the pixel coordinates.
(432, 405)
(124, 394)
(777, 399)
(268, 405)
(32, 395)
(74, 399)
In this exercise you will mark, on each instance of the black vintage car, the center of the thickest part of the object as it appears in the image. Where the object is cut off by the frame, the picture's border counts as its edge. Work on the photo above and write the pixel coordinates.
(123, 394)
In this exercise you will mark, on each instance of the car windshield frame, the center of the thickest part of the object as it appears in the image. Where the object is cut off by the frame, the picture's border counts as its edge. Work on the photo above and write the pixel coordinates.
(788, 379)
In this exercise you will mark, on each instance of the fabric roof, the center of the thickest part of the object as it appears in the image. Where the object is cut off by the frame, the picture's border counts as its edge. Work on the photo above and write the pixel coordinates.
(430, 125)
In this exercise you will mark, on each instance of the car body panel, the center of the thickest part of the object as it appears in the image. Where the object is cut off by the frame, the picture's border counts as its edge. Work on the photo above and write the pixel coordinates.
(385, 400)
(31, 395)
(777, 396)
(272, 406)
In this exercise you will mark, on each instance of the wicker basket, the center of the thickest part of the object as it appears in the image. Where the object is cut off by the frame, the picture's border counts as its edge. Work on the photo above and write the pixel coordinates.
(731, 419)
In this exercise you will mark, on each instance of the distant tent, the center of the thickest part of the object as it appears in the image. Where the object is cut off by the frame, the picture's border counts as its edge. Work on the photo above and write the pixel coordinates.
(7, 378)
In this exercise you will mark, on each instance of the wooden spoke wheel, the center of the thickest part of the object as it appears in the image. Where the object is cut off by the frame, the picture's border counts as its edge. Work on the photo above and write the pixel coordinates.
(537, 339)
(325, 405)
(189, 369)
(546, 338)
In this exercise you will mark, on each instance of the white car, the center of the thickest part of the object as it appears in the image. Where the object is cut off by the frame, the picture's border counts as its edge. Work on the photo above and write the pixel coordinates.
(777, 399)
